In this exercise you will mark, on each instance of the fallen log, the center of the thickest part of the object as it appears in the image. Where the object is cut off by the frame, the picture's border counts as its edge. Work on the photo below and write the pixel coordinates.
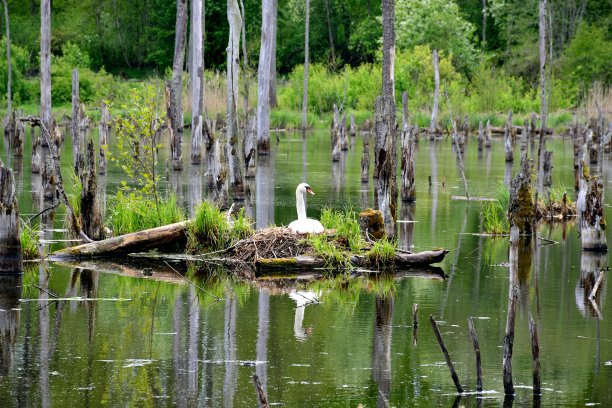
(134, 242)
(502, 129)
(266, 266)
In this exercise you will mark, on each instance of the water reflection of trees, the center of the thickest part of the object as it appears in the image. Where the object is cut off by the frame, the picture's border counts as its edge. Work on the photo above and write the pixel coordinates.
(10, 292)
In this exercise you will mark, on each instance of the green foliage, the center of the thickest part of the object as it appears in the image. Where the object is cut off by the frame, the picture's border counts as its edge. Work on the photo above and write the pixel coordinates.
(29, 241)
(346, 226)
(21, 90)
(438, 24)
(212, 230)
(587, 59)
(382, 251)
(328, 249)
(136, 132)
(494, 213)
(130, 212)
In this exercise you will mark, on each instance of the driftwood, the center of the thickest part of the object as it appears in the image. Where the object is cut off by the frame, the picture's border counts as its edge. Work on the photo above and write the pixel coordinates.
(500, 130)
(137, 241)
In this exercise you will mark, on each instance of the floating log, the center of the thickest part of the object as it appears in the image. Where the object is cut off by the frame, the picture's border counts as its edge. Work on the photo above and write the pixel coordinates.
(500, 130)
(136, 241)
(306, 262)
(10, 243)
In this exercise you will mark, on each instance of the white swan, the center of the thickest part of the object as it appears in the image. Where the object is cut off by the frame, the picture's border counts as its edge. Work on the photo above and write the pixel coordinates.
(304, 225)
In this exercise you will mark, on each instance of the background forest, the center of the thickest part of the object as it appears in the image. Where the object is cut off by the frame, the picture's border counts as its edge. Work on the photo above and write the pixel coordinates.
(489, 55)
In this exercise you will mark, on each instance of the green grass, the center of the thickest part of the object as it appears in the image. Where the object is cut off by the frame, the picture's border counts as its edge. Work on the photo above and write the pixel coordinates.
(131, 213)
(29, 241)
(494, 213)
(346, 225)
(382, 251)
(334, 255)
(211, 230)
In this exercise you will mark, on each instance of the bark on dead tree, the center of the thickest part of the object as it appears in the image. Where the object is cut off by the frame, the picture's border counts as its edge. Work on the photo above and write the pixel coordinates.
(511, 317)
(481, 136)
(45, 64)
(488, 134)
(10, 243)
(250, 144)
(306, 63)
(344, 140)
(547, 168)
(233, 66)
(9, 74)
(524, 136)
(335, 135)
(174, 88)
(197, 75)
(508, 139)
(104, 131)
(75, 131)
(274, 29)
(386, 161)
(433, 124)
(408, 191)
(590, 205)
(521, 205)
(353, 127)
(388, 62)
(90, 206)
(542, 42)
(36, 157)
(48, 180)
(266, 51)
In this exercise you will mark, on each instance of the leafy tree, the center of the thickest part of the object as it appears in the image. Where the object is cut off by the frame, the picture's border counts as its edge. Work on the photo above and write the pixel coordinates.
(438, 24)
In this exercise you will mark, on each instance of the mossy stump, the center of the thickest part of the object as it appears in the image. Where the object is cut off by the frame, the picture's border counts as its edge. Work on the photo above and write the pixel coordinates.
(371, 222)
(521, 207)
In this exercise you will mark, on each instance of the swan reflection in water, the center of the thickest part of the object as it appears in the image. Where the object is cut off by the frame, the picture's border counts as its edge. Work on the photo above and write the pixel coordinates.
(302, 299)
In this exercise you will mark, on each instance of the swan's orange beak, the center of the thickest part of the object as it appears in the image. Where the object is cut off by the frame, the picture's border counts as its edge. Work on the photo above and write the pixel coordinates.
(309, 191)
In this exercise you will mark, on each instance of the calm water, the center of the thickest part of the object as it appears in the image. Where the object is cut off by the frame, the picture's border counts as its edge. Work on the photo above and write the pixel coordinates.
(157, 340)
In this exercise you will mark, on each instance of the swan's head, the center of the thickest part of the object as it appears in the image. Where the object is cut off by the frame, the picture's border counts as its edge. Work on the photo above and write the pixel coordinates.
(304, 188)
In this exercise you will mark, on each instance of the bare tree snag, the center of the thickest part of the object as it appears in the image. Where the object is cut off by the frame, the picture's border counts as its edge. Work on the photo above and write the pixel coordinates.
(104, 131)
(48, 180)
(45, 64)
(386, 161)
(433, 124)
(365, 160)
(476, 345)
(408, 191)
(535, 353)
(233, 133)
(250, 144)
(335, 135)
(344, 140)
(10, 243)
(449, 362)
(542, 42)
(306, 63)
(197, 76)
(524, 136)
(511, 317)
(274, 29)
(590, 206)
(481, 137)
(508, 139)
(547, 168)
(245, 64)
(177, 83)
(36, 157)
(90, 206)
(521, 203)
(388, 61)
(266, 51)
(488, 134)
(353, 126)
(75, 122)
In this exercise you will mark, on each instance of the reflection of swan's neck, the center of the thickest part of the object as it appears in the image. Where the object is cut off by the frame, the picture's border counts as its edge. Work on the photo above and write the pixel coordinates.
(301, 206)
(298, 330)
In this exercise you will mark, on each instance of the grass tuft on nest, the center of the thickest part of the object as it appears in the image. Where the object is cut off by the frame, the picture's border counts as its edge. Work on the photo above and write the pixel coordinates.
(29, 242)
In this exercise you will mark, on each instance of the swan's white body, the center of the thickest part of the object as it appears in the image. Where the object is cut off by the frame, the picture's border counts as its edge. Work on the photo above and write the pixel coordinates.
(304, 225)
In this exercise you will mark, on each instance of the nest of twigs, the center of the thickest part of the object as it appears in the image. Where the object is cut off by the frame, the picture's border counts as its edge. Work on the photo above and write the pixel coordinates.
(276, 242)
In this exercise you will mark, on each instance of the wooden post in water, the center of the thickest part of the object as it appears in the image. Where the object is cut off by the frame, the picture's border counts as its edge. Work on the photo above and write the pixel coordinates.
(480, 136)
(104, 131)
(449, 363)
(476, 345)
(262, 398)
(535, 352)
(415, 315)
(250, 145)
(510, 319)
(10, 243)
(335, 135)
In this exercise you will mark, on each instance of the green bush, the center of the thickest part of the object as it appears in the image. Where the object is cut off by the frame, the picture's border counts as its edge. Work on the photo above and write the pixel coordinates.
(21, 90)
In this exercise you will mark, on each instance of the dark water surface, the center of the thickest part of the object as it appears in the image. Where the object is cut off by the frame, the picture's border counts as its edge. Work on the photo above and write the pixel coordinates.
(157, 340)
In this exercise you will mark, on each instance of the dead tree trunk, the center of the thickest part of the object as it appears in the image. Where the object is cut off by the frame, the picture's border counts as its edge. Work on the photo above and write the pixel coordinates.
(335, 135)
(175, 115)
(197, 75)
(274, 29)
(488, 134)
(9, 75)
(104, 130)
(75, 131)
(306, 61)
(353, 127)
(542, 42)
(524, 136)
(481, 136)
(233, 66)
(48, 180)
(408, 191)
(18, 137)
(245, 65)
(344, 140)
(590, 206)
(388, 62)
(90, 206)
(386, 162)
(10, 243)
(433, 124)
(508, 139)
(250, 144)
(36, 157)
(521, 205)
(547, 168)
(45, 64)
(266, 51)
(510, 319)
(365, 160)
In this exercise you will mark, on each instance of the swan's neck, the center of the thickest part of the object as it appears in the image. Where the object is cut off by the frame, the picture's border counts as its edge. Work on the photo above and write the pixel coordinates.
(301, 205)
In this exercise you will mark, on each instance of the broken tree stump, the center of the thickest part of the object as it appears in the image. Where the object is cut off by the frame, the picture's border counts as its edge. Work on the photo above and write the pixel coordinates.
(521, 205)
(547, 168)
(488, 134)
(250, 147)
(105, 131)
(408, 189)
(590, 206)
(90, 206)
(480, 136)
(175, 127)
(365, 160)
(511, 316)
(335, 135)
(10, 243)
(36, 157)
(508, 142)
(352, 126)
(344, 140)
(371, 223)
(386, 161)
